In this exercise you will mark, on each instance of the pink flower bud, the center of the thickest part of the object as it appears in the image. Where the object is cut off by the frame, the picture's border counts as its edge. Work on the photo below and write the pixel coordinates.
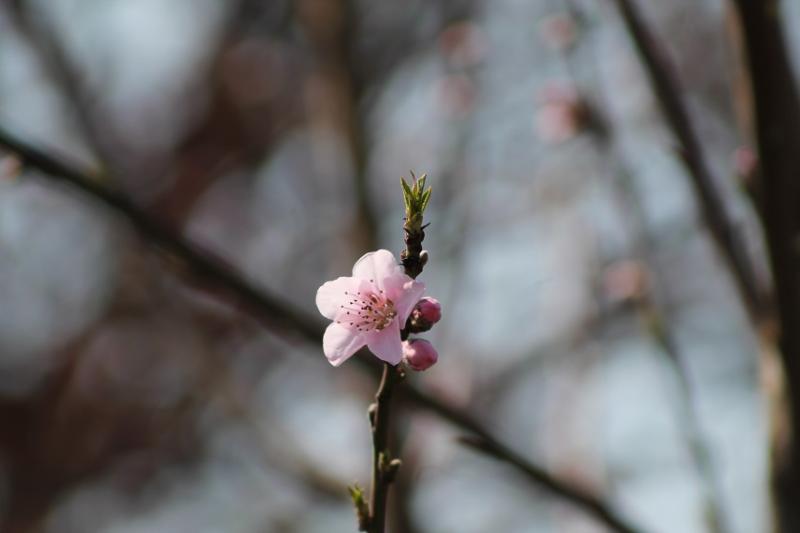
(429, 309)
(426, 313)
(419, 354)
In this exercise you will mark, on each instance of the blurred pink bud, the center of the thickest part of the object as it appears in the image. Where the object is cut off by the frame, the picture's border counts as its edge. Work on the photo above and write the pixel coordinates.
(559, 31)
(463, 44)
(745, 161)
(625, 281)
(457, 94)
(10, 167)
(561, 115)
(425, 314)
(419, 354)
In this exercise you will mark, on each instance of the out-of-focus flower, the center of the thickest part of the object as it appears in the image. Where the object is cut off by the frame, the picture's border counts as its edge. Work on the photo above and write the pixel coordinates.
(559, 31)
(425, 314)
(745, 161)
(625, 281)
(10, 167)
(419, 354)
(457, 94)
(463, 44)
(561, 115)
(368, 308)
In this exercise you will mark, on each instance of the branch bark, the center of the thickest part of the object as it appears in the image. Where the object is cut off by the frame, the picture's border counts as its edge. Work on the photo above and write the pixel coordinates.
(492, 448)
(652, 312)
(713, 208)
(777, 130)
(776, 109)
(384, 467)
(286, 319)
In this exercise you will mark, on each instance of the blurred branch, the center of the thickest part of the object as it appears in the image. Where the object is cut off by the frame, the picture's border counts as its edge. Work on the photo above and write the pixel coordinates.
(251, 104)
(482, 440)
(202, 262)
(226, 137)
(714, 210)
(656, 320)
(279, 315)
(61, 70)
(653, 315)
(492, 448)
(334, 95)
(287, 460)
(777, 129)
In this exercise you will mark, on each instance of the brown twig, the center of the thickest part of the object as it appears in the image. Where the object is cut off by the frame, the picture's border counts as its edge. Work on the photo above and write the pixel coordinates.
(332, 29)
(384, 467)
(713, 208)
(480, 439)
(65, 76)
(776, 105)
(279, 315)
(653, 315)
(488, 446)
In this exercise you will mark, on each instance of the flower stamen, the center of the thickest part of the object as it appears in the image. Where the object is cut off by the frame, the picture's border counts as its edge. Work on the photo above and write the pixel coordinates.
(367, 311)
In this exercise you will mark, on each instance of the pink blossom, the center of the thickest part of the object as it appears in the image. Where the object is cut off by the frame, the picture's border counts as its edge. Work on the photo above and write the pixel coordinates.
(419, 354)
(368, 308)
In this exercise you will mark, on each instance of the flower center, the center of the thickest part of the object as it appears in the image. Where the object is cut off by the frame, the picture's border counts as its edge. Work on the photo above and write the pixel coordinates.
(367, 311)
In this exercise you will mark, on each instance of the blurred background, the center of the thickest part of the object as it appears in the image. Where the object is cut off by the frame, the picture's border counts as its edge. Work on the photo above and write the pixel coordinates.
(589, 320)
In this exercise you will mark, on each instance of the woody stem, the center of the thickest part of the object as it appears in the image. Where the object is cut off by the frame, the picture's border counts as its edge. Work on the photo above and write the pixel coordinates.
(384, 466)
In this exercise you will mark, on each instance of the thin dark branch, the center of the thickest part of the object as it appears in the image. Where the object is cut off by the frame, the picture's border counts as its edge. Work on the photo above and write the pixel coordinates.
(384, 467)
(713, 207)
(279, 315)
(777, 130)
(65, 76)
(333, 46)
(588, 502)
(655, 317)
(276, 313)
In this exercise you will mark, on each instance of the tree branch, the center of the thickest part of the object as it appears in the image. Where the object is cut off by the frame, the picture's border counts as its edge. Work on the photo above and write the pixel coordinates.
(713, 208)
(777, 130)
(599, 510)
(652, 313)
(281, 316)
(384, 467)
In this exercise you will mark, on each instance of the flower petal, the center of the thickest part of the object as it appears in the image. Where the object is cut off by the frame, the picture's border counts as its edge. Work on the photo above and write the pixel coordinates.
(377, 266)
(386, 344)
(332, 295)
(407, 298)
(339, 343)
